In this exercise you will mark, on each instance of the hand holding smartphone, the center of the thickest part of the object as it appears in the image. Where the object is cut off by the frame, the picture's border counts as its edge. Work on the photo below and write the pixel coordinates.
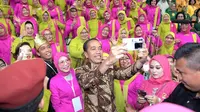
(141, 98)
(133, 43)
(142, 93)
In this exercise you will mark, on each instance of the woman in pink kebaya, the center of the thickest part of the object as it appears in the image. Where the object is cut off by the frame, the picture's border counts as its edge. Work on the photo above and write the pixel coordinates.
(160, 84)
(66, 93)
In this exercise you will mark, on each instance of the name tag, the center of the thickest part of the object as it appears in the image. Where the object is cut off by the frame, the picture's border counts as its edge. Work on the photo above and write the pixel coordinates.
(77, 104)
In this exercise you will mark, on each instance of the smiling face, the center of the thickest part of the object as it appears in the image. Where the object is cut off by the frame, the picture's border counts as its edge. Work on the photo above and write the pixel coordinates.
(138, 31)
(45, 51)
(153, 2)
(107, 15)
(102, 4)
(133, 5)
(74, 13)
(125, 62)
(84, 34)
(189, 77)
(93, 14)
(123, 34)
(166, 18)
(180, 16)
(26, 51)
(88, 2)
(105, 32)
(29, 29)
(25, 12)
(121, 16)
(50, 3)
(116, 2)
(48, 35)
(64, 64)
(2, 31)
(94, 52)
(184, 27)
(156, 70)
(169, 39)
(45, 17)
(141, 18)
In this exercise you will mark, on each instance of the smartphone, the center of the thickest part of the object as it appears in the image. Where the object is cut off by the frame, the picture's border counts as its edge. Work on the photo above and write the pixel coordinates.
(142, 93)
(133, 43)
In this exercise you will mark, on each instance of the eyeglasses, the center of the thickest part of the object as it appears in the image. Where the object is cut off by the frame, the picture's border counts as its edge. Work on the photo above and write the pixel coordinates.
(84, 32)
(48, 34)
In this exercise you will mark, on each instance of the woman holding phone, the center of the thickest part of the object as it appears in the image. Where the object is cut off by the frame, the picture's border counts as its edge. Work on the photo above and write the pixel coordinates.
(159, 86)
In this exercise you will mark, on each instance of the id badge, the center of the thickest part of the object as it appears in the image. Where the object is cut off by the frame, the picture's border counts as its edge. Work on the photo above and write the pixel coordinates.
(77, 104)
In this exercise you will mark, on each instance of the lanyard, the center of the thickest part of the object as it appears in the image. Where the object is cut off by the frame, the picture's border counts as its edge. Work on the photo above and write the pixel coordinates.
(71, 85)
(51, 67)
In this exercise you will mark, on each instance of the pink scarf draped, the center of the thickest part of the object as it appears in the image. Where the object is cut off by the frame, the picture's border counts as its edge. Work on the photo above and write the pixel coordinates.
(166, 70)
(105, 41)
(52, 44)
(56, 59)
(5, 46)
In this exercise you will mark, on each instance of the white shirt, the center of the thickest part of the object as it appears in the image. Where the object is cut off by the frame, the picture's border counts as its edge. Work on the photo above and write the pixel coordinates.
(163, 6)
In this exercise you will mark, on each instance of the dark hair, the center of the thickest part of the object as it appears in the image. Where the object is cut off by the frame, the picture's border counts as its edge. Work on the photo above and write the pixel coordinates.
(3, 61)
(28, 22)
(180, 13)
(73, 9)
(152, 0)
(190, 2)
(197, 12)
(191, 53)
(85, 45)
(18, 48)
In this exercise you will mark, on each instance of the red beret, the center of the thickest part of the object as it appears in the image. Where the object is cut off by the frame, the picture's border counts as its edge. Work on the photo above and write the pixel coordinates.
(21, 82)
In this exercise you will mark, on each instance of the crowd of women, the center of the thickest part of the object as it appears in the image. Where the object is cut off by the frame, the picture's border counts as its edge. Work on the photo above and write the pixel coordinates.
(78, 39)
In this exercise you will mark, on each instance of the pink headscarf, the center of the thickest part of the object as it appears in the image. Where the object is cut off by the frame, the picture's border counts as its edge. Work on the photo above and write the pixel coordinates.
(166, 107)
(110, 15)
(69, 14)
(188, 29)
(136, 36)
(56, 59)
(5, 36)
(166, 70)
(90, 5)
(105, 41)
(145, 19)
(21, 15)
(46, 30)
(130, 58)
(50, 8)
(120, 4)
(100, 32)
(5, 46)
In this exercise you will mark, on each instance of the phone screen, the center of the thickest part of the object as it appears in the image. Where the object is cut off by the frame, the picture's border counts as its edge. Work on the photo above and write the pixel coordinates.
(138, 45)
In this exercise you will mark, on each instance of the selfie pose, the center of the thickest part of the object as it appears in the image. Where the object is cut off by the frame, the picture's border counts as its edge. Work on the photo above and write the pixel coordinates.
(66, 93)
(96, 76)
(159, 86)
